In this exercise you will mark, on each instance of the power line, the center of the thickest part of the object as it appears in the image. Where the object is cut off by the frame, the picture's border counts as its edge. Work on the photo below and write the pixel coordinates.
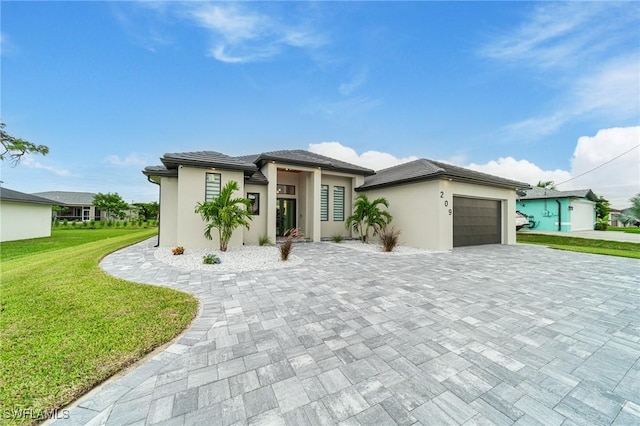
(597, 167)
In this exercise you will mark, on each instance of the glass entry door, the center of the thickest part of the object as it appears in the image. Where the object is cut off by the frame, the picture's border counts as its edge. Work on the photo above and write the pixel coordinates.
(285, 215)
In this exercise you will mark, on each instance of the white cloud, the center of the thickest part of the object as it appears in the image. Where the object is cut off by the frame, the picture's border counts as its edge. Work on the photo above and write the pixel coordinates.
(240, 34)
(132, 159)
(617, 181)
(586, 51)
(371, 159)
(520, 170)
(358, 80)
(560, 34)
(614, 89)
(28, 161)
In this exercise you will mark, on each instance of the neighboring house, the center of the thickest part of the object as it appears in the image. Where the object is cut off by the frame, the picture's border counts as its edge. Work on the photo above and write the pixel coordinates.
(75, 206)
(300, 189)
(564, 211)
(23, 216)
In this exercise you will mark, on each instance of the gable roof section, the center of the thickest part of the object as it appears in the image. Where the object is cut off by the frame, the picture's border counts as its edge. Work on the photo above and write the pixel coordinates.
(68, 197)
(306, 158)
(537, 193)
(7, 194)
(423, 169)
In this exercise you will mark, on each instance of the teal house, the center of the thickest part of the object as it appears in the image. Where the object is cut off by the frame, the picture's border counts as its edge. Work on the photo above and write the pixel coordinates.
(562, 211)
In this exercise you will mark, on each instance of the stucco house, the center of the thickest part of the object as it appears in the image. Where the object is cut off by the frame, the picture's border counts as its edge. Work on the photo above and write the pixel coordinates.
(75, 206)
(23, 216)
(297, 188)
(562, 211)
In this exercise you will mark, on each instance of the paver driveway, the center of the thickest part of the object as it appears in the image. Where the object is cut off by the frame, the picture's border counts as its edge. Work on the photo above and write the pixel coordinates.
(490, 335)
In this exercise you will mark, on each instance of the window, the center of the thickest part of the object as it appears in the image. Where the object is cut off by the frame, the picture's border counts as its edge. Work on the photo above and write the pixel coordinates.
(254, 198)
(338, 203)
(286, 189)
(324, 202)
(212, 186)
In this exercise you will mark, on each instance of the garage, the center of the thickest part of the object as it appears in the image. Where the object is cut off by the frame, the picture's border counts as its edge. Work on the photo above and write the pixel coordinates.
(476, 221)
(582, 215)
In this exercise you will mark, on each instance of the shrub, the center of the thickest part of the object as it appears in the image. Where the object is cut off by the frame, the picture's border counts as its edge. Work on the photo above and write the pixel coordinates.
(389, 238)
(56, 222)
(337, 238)
(177, 250)
(264, 240)
(103, 223)
(92, 224)
(210, 259)
(285, 249)
(73, 224)
(125, 224)
(287, 245)
(65, 222)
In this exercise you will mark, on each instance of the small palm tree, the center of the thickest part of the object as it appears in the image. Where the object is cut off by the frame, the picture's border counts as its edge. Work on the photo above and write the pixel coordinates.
(225, 214)
(367, 216)
(631, 216)
(548, 184)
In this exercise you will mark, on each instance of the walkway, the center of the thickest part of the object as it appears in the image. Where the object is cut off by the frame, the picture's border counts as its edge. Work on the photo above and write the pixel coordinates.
(483, 335)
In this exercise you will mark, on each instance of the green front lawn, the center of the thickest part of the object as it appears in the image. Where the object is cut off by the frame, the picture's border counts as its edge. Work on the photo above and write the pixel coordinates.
(623, 229)
(611, 248)
(66, 325)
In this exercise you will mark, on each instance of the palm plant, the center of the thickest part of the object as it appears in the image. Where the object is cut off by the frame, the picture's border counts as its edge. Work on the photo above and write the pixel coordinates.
(367, 216)
(631, 216)
(225, 214)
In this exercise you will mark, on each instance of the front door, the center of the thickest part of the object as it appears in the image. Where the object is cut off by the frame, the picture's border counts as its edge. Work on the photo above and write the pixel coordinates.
(285, 215)
(86, 214)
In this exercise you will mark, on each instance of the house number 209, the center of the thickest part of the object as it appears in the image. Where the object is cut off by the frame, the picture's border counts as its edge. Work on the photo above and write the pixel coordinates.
(446, 202)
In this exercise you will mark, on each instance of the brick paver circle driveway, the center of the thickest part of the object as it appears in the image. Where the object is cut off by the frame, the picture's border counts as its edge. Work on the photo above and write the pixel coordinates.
(484, 335)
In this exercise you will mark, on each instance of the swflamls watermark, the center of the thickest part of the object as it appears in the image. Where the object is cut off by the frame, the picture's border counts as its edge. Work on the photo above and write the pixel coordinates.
(31, 414)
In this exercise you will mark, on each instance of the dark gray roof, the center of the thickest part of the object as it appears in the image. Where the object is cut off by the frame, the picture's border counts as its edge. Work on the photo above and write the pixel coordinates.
(307, 158)
(68, 197)
(250, 164)
(536, 193)
(206, 159)
(7, 194)
(258, 178)
(160, 171)
(422, 169)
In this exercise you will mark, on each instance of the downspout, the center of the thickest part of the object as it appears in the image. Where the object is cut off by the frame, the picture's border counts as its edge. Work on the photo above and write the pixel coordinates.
(559, 215)
(159, 201)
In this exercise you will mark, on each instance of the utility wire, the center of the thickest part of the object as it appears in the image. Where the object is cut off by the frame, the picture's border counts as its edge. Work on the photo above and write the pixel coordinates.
(597, 167)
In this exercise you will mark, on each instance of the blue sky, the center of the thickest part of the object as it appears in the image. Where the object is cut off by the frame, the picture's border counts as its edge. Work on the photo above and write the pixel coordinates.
(532, 91)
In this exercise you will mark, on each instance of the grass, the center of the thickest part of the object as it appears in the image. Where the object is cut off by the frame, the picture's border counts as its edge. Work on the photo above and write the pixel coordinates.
(584, 245)
(623, 229)
(66, 325)
(61, 238)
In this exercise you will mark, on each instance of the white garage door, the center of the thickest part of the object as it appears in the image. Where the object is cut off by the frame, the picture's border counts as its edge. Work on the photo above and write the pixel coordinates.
(582, 216)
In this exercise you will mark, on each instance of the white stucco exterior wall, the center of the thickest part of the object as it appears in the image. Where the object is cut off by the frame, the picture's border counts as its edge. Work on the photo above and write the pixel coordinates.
(168, 212)
(259, 222)
(21, 221)
(191, 190)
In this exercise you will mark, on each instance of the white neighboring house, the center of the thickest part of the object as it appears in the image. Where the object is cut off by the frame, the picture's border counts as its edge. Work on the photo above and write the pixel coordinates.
(23, 216)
